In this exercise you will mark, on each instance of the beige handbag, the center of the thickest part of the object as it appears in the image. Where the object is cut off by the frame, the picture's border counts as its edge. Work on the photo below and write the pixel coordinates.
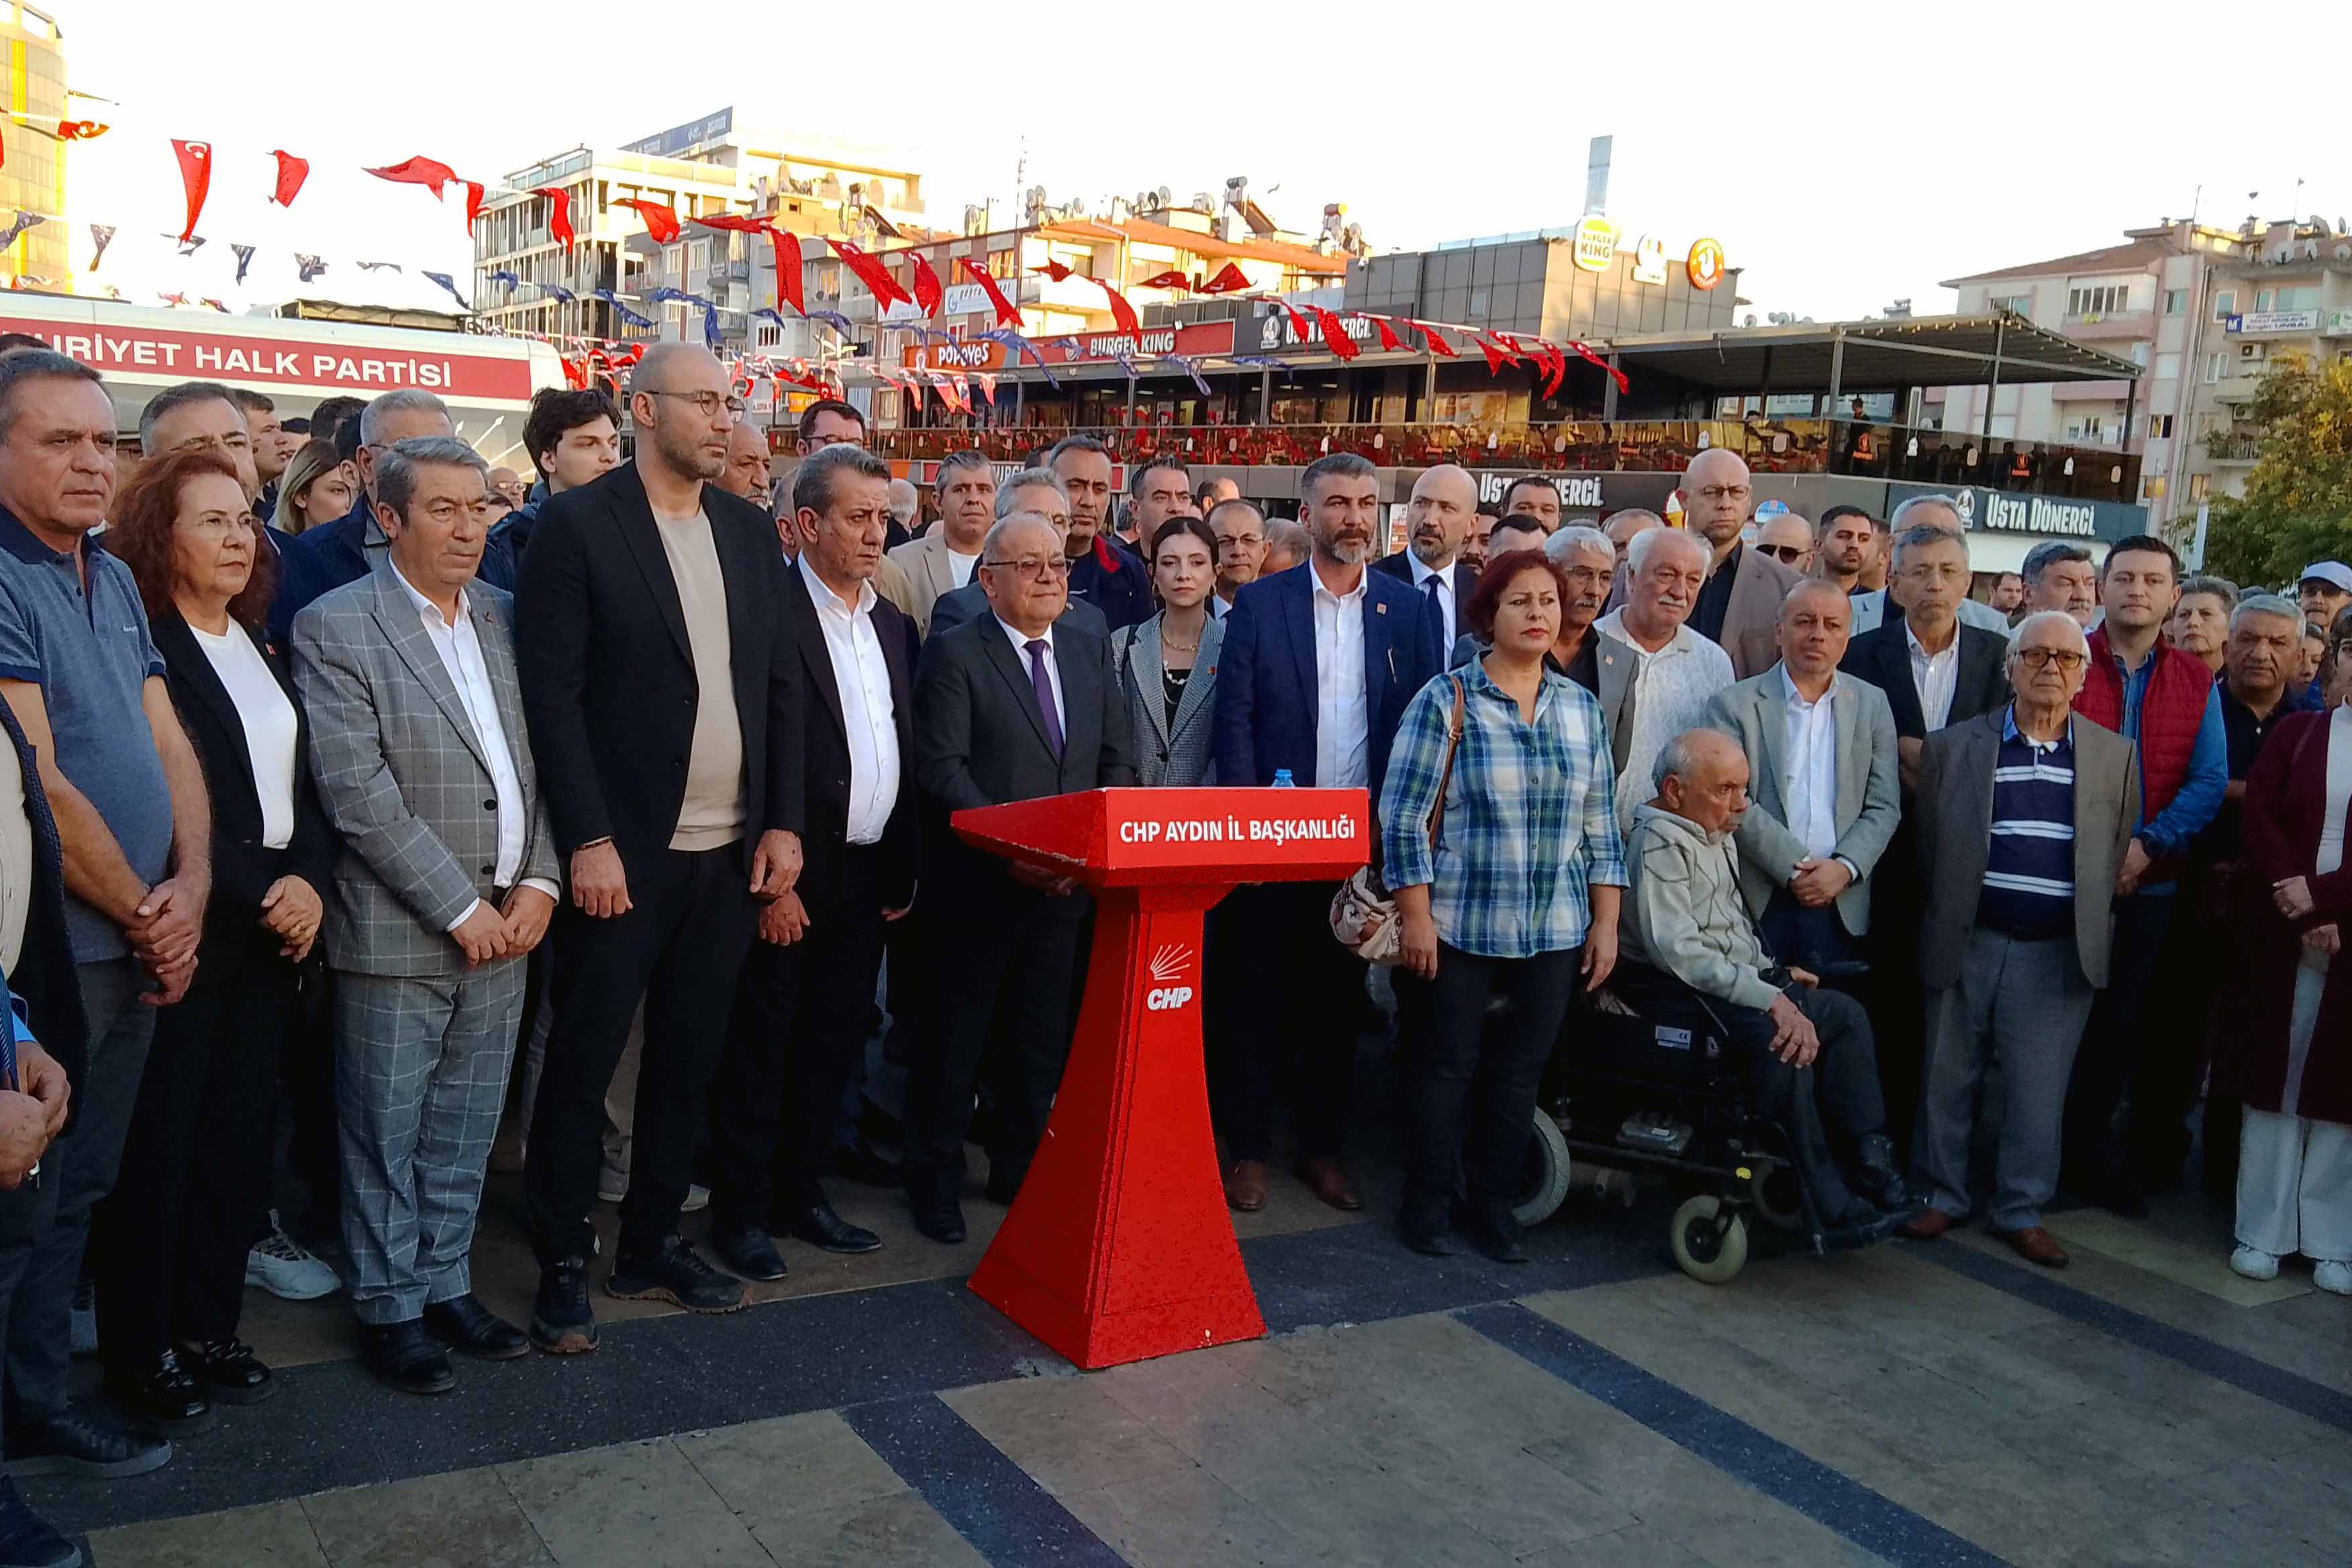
(1363, 914)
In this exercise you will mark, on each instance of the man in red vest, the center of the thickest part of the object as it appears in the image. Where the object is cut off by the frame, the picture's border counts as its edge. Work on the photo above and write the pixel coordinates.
(2163, 701)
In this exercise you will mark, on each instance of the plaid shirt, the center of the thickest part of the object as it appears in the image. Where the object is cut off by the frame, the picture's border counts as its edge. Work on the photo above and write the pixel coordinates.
(1530, 814)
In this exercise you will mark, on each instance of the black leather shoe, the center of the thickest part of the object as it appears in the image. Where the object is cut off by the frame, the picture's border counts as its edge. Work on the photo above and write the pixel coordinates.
(230, 1369)
(943, 1221)
(160, 1394)
(26, 1539)
(78, 1442)
(678, 1275)
(562, 1323)
(821, 1228)
(1876, 1179)
(1499, 1239)
(406, 1357)
(747, 1250)
(464, 1324)
(1003, 1186)
(1430, 1241)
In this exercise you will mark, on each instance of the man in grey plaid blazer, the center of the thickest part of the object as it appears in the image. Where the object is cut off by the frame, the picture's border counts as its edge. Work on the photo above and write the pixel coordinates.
(447, 878)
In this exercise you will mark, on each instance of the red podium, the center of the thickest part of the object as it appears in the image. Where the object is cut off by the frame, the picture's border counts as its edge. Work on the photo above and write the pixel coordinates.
(1119, 1248)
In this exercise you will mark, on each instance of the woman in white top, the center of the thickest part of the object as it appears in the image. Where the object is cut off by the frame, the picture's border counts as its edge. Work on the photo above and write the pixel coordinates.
(194, 1193)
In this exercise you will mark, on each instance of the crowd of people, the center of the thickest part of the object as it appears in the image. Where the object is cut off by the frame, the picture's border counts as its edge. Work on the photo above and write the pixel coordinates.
(348, 766)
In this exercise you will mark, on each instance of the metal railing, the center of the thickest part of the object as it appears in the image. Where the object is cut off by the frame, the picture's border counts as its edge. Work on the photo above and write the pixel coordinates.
(1627, 445)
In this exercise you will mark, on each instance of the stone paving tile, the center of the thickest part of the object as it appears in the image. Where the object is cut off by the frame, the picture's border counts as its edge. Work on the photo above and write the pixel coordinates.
(2199, 1265)
(641, 1505)
(465, 1520)
(897, 1532)
(1067, 1433)
(1688, 1501)
(1181, 1518)
(276, 1536)
(772, 1473)
(1635, 1546)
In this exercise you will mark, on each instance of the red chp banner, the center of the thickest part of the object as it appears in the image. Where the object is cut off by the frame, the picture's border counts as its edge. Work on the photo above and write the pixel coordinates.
(156, 353)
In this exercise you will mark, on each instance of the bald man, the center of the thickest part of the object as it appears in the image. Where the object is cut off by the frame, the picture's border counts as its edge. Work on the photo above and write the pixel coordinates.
(1787, 538)
(1740, 608)
(1437, 520)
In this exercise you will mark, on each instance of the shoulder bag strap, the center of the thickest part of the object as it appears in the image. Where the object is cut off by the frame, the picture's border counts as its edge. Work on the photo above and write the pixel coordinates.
(1445, 774)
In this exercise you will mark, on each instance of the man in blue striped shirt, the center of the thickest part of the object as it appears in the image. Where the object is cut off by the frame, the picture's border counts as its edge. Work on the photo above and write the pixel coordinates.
(2025, 818)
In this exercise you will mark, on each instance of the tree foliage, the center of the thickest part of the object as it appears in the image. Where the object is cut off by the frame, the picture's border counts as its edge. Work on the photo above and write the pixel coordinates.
(2297, 508)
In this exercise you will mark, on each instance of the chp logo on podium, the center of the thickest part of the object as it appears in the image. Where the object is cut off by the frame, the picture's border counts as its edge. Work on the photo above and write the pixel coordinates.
(1168, 965)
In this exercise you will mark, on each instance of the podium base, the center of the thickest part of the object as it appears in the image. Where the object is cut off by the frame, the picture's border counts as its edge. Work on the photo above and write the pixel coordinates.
(1092, 1341)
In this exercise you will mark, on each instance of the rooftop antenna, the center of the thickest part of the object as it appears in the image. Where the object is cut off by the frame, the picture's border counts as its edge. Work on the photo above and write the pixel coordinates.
(1596, 175)
(1020, 173)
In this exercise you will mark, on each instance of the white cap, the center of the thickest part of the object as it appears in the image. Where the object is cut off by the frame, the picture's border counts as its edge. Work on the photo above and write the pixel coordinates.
(2334, 573)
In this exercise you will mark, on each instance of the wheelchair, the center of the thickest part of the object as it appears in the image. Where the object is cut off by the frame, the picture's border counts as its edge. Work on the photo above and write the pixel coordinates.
(1624, 1093)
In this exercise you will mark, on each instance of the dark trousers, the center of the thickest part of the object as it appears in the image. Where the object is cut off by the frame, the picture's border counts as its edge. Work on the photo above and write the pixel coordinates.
(1898, 1014)
(2113, 1042)
(801, 1019)
(1807, 938)
(1002, 989)
(2182, 991)
(193, 1195)
(78, 1170)
(1295, 1006)
(680, 948)
(1471, 1073)
(313, 1146)
(1825, 1109)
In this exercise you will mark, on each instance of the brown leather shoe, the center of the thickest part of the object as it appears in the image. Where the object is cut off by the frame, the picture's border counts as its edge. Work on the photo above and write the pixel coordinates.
(2035, 1245)
(1926, 1225)
(1246, 1185)
(1329, 1180)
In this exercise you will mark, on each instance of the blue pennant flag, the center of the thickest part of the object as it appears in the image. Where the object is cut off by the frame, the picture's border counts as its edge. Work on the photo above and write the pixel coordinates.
(620, 310)
(710, 337)
(449, 283)
(243, 259)
(561, 295)
(1193, 370)
(764, 314)
(505, 276)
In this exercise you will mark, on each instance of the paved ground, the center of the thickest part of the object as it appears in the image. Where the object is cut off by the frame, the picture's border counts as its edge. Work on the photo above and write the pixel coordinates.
(1939, 1404)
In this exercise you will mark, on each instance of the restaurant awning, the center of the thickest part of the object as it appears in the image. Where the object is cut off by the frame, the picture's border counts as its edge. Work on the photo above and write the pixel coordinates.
(1817, 356)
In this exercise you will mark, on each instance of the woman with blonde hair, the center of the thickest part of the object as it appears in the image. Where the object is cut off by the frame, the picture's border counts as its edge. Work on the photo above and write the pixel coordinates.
(316, 488)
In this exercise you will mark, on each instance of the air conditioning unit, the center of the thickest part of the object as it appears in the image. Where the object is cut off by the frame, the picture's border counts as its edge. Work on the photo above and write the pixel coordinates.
(2250, 350)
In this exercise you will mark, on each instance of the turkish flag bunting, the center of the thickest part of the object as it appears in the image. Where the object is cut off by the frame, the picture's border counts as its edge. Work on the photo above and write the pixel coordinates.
(927, 293)
(80, 130)
(1053, 269)
(1298, 323)
(1436, 340)
(661, 222)
(559, 220)
(1006, 314)
(787, 249)
(1619, 376)
(292, 173)
(1229, 280)
(987, 385)
(733, 222)
(574, 374)
(196, 176)
(430, 173)
(1335, 333)
(1555, 365)
(1121, 311)
(474, 191)
(1512, 353)
(1172, 278)
(870, 272)
(1493, 356)
(1389, 341)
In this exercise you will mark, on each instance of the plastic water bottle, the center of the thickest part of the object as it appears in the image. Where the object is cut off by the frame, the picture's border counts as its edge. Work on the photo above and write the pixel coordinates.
(1282, 779)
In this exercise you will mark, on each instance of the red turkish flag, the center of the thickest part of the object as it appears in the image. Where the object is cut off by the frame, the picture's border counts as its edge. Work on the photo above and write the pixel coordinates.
(1007, 315)
(1512, 352)
(1389, 341)
(1624, 384)
(292, 173)
(661, 222)
(1437, 343)
(1170, 279)
(1229, 280)
(430, 173)
(1121, 311)
(1298, 323)
(474, 191)
(1053, 269)
(927, 293)
(196, 176)
(80, 130)
(1493, 356)
(1335, 333)
(870, 272)
(733, 222)
(559, 221)
(787, 249)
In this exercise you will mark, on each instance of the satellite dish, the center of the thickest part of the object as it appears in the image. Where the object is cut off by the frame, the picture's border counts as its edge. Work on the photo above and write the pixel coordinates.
(1078, 207)
(1163, 196)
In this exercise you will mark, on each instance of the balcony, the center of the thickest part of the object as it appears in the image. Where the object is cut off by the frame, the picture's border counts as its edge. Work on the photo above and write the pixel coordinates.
(2107, 326)
(2233, 446)
(2090, 391)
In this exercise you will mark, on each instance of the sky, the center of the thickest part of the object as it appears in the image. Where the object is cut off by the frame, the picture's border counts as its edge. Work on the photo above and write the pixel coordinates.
(1845, 159)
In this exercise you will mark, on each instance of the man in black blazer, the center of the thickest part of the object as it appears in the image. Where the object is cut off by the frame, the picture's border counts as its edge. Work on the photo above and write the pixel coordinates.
(808, 988)
(1014, 706)
(665, 719)
(1444, 501)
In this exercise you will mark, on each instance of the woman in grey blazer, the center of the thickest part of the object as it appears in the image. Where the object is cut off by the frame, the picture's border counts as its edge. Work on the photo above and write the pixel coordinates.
(1168, 665)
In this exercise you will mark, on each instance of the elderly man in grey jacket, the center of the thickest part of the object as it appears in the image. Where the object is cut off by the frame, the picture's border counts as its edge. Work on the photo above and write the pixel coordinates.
(1691, 952)
(448, 879)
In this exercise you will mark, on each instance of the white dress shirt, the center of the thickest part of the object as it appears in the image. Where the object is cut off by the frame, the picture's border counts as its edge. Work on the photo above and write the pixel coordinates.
(1421, 573)
(267, 716)
(1936, 677)
(461, 659)
(1671, 688)
(1052, 669)
(1808, 787)
(869, 717)
(1342, 705)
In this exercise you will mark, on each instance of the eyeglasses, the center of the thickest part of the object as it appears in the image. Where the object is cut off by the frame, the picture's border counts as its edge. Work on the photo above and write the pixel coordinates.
(707, 404)
(1031, 571)
(1789, 553)
(1726, 492)
(2065, 658)
(1241, 541)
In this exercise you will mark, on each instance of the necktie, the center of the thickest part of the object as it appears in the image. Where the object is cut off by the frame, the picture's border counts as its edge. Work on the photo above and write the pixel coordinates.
(1042, 685)
(1433, 585)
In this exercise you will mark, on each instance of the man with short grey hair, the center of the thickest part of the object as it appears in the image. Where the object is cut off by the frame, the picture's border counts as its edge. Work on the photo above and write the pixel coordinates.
(1624, 526)
(1287, 544)
(198, 417)
(1924, 511)
(2059, 575)
(2199, 623)
(943, 560)
(1675, 669)
(447, 879)
(327, 557)
(1042, 491)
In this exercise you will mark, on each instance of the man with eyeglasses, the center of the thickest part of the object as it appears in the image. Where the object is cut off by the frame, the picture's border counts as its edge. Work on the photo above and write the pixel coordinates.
(1787, 538)
(321, 559)
(2025, 817)
(1014, 705)
(1740, 608)
(1040, 490)
(665, 707)
(1240, 528)
(447, 881)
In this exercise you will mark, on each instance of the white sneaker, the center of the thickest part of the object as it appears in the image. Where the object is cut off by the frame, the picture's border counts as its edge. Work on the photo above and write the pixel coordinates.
(612, 1184)
(698, 1198)
(2333, 1275)
(287, 1270)
(2254, 1264)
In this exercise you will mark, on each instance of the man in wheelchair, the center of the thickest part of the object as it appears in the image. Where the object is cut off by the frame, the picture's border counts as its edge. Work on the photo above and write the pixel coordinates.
(1690, 949)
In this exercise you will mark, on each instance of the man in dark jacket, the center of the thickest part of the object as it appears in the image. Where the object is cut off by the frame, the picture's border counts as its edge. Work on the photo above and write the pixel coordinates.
(573, 435)
(1101, 572)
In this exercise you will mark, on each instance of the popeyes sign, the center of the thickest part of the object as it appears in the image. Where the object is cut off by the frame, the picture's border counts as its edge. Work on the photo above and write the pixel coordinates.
(1084, 348)
(142, 353)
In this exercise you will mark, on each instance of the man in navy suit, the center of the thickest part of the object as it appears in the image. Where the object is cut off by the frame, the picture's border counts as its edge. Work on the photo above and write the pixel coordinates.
(1318, 664)
(1445, 502)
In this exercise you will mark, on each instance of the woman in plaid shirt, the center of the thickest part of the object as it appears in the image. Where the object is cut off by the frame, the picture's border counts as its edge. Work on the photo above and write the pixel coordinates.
(1512, 897)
